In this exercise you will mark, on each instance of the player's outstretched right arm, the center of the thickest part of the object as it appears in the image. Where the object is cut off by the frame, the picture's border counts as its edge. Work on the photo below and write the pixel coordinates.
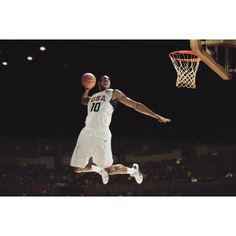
(85, 97)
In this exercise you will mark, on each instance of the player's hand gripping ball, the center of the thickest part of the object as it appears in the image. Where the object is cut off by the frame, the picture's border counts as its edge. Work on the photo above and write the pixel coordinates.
(88, 80)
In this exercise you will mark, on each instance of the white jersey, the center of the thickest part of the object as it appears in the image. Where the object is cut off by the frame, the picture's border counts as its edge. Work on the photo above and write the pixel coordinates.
(100, 110)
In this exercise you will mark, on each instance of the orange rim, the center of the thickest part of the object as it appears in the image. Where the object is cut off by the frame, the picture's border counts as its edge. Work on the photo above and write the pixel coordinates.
(188, 52)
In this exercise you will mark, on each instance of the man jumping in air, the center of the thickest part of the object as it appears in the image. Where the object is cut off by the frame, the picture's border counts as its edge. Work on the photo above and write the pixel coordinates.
(94, 140)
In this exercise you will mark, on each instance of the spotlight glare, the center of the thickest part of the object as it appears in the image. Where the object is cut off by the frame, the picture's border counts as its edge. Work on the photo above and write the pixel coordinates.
(29, 58)
(4, 63)
(42, 48)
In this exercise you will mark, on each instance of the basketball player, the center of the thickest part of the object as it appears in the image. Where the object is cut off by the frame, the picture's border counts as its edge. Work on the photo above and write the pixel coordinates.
(95, 138)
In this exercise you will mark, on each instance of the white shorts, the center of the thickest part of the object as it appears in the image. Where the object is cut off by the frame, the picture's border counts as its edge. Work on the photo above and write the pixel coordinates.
(95, 144)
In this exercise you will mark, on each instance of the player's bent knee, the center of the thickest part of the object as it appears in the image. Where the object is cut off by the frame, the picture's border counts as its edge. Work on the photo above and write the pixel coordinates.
(76, 169)
(79, 165)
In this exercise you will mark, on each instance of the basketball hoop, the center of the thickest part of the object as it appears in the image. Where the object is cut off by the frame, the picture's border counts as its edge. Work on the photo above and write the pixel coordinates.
(186, 64)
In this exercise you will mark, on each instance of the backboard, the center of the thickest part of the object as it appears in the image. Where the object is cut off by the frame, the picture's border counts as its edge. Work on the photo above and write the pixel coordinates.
(219, 55)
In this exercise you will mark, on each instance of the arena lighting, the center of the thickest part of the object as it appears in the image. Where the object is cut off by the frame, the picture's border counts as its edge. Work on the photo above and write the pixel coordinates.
(4, 63)
(42, 48)
(29, 58)
(178, 161)
(194, 180)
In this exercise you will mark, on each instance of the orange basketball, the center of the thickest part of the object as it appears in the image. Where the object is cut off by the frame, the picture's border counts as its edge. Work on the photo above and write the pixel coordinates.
(88, 80)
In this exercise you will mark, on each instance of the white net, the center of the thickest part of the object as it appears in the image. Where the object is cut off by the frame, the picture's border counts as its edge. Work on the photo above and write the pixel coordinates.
(186, 64)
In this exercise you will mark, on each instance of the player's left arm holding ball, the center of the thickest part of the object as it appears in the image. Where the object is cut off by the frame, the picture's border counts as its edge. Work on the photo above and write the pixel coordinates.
(137, 106)
(85, 97)
(88, 81)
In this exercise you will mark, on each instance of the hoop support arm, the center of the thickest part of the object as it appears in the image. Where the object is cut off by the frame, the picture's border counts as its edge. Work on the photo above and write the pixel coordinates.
(197, 48)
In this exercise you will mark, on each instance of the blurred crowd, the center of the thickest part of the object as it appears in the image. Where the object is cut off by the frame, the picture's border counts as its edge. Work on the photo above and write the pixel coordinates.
(188, 175)
(179, 172)
(24, 147)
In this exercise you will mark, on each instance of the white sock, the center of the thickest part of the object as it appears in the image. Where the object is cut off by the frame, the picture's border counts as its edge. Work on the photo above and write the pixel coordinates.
(130, 171)
(96, 168)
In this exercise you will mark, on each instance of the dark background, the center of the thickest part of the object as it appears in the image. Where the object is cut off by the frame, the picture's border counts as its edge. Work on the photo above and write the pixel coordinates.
(42, 97)
(41, 116)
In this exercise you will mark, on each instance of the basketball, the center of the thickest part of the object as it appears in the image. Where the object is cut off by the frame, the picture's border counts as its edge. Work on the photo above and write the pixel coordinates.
(88, 80)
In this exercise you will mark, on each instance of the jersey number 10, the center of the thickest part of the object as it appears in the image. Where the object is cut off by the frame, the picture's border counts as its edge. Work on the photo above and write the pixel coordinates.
(95, 106)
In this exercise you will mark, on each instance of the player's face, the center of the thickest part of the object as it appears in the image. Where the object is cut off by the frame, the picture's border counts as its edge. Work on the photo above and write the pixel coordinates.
(104, 82)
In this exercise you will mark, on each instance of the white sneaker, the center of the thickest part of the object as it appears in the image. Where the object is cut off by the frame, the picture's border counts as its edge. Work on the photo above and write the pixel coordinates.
(105, 176)
(137, 174)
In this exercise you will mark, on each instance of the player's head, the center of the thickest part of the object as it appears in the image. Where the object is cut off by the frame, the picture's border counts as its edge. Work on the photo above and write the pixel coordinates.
(104, 82)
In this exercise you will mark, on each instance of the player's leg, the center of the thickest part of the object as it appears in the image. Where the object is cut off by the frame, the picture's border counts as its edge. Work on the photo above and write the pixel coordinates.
(120, 169)
(104, 159)
(102, 156)
(93, 168)
(88, 168)
(82, 154)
